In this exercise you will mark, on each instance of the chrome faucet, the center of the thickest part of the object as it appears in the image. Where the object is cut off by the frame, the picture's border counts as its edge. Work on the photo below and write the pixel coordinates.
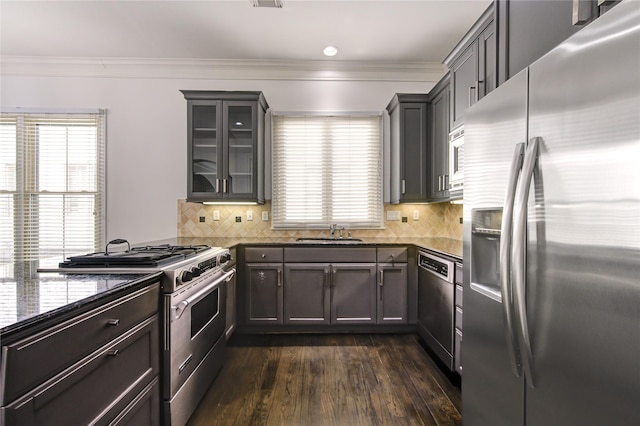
(332, 229)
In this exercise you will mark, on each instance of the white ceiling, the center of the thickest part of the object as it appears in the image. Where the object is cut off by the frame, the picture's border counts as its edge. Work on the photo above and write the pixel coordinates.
(382, 32)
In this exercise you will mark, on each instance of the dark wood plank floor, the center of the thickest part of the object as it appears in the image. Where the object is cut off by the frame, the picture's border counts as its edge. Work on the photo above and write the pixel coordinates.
(379, 379)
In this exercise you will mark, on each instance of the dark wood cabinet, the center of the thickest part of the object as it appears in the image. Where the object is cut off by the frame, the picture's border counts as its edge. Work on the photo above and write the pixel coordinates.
(225, 142)
(307, 296)
(263, 286)
(264, 298)
(473, 67)
(409, 162)
(439, 141)
(106, 358)
(330, 294)
(393, 285)
(392, 293)
(326, 287)
(353, 293)
(487, 60)
(330, 286)
(528, 29)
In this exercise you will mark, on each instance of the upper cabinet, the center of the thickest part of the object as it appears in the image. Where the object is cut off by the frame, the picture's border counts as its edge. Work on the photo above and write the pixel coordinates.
(409, 152)
(530, 28)
(439, 140)
(225, 145)
(473, 65)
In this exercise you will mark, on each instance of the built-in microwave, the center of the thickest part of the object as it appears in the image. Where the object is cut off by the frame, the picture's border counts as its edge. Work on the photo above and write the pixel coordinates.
(456, 162)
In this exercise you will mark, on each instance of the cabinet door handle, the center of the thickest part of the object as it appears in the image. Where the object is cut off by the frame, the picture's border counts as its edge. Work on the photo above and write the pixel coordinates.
(471, 88)
(445, 178)
(217, 186)
(326, 278)
(403, 186)
(279, 278)
(440, 183)
(225, 186)
(333, 276)
(381, 282)
(113, 322)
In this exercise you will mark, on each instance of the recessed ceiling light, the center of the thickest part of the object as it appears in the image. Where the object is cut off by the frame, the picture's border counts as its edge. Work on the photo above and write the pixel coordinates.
(330, 51)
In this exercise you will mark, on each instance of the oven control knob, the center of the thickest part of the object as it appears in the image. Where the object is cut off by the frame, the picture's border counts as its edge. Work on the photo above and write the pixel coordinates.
(186, 276)
(196, 272)
(225, 258)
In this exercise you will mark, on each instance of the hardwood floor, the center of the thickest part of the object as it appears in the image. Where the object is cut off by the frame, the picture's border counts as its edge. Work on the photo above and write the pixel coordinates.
(347, 379)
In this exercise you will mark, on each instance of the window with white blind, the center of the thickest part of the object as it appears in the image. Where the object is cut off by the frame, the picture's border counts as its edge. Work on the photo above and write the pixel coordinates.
(52, 190)
(327, 169)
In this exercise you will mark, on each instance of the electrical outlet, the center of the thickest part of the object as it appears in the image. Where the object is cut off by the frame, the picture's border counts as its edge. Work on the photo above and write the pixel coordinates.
(216, 215)
(404, 219)
(238, 218)
(265, 216)
(201, 219)
(393, 215)
(249, 215)
(416, 215)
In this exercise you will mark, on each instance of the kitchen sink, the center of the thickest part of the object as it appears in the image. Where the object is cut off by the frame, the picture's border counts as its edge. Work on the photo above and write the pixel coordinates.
(320, 240)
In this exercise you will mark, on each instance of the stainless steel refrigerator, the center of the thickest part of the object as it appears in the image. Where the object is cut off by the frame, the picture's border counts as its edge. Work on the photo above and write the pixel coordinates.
(552, 237)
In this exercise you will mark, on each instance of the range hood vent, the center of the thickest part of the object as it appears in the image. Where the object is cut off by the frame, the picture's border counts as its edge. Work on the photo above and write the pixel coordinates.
(267, 3)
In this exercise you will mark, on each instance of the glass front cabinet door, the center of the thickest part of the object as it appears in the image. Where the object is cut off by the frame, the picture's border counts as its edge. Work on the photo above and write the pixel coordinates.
(225, 146)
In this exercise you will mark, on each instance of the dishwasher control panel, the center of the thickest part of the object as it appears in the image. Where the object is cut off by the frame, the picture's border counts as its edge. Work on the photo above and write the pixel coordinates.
(442, 267)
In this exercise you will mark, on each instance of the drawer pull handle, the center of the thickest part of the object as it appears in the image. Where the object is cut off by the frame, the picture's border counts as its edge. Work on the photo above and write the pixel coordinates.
(113, 321)
(112, 352)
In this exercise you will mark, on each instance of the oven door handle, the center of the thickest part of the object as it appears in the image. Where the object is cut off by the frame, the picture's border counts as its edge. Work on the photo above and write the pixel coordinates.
(179, 309)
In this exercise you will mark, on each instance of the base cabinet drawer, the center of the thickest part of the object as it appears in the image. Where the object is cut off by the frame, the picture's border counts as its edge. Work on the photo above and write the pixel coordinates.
(458, 352)
(72, 340)
(144, 410)
(96, 389)
(263, 254)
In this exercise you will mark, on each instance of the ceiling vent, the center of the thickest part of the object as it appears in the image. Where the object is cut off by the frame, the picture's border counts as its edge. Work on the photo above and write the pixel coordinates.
(267, 3)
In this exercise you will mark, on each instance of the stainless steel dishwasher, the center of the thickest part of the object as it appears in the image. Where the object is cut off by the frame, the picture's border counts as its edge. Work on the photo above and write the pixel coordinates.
(436, 290)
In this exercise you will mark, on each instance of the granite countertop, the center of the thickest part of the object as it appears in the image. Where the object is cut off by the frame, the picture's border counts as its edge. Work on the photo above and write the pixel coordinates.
(446, 246)
(28, 299)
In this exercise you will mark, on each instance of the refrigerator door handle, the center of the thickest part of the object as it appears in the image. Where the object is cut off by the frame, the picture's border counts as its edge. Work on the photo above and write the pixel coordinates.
(518, 257)
(506, 230)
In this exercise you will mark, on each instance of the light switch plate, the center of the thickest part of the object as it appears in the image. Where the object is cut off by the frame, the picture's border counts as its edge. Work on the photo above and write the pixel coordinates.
(249, 215)
(265, 216)
(416, 215)
(216, 215)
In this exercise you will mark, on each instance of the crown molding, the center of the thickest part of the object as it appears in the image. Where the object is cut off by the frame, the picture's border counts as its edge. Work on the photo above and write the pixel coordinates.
(217, 69)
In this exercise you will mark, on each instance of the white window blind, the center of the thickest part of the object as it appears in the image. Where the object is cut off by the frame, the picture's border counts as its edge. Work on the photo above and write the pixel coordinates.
(327, 169)
(52, 185)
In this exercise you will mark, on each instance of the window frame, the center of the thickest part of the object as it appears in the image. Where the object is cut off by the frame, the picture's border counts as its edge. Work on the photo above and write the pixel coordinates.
(26, 220)
(375, 219)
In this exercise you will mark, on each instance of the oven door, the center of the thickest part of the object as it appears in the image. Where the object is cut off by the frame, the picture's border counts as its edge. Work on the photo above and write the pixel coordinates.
(194, 322)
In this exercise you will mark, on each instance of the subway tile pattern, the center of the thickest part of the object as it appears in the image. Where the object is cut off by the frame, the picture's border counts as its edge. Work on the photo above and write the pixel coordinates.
(434, 220)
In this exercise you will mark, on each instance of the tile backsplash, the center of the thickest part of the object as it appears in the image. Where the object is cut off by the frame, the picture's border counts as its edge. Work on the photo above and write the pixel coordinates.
(434, 220)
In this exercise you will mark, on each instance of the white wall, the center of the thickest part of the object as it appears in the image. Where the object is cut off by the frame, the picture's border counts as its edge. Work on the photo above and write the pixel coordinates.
(147, 131)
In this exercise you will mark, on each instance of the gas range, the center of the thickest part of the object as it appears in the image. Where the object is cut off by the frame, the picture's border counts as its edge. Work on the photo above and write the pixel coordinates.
(181, 264)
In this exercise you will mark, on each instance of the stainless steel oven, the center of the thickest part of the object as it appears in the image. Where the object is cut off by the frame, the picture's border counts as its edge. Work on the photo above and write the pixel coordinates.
(194, 341)
(456, 162)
